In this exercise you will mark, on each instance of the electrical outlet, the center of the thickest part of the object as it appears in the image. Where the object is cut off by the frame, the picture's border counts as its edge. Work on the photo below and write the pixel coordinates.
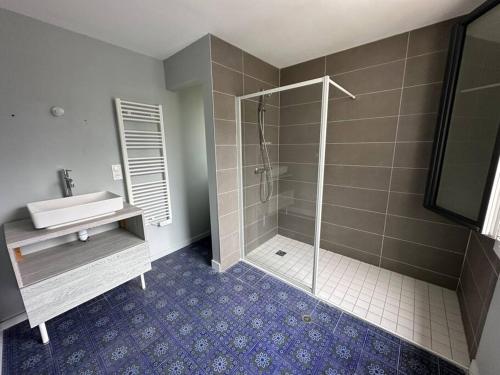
(117, 172)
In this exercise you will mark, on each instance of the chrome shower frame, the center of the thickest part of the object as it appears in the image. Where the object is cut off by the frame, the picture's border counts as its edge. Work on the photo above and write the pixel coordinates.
(326, 81)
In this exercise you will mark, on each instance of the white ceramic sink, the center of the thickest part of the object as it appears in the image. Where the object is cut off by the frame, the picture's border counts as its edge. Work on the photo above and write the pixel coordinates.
(62, 211)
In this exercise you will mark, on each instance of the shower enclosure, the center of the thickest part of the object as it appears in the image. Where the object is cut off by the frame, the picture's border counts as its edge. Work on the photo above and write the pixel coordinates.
(282, 133)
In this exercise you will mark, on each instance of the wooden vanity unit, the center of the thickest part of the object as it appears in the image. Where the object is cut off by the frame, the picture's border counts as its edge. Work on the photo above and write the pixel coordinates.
(59, 277)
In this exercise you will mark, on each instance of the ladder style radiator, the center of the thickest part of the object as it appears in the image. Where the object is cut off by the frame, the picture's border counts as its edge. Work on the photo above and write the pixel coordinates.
(142, 138)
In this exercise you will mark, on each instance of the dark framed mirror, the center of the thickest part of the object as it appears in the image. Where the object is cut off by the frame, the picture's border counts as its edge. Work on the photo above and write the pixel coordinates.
(466, 144)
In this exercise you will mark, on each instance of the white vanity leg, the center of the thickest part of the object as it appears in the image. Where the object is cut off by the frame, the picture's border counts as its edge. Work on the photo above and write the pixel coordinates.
(43, 332)
(143, 282)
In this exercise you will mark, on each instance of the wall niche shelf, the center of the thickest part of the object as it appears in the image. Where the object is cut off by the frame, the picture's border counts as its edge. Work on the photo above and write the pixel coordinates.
(59, 275)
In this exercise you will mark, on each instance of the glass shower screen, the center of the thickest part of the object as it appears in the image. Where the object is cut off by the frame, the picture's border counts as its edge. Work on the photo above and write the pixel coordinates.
(280, 153)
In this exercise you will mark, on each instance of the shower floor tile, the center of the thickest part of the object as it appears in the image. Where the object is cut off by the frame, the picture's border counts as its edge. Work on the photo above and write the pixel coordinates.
(423, 313)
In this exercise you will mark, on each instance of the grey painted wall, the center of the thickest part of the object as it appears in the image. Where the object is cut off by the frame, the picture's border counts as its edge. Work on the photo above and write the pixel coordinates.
(41, 66)
(187, 68)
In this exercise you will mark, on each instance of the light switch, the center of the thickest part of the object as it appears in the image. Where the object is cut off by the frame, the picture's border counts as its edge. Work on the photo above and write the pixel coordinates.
(117, 172)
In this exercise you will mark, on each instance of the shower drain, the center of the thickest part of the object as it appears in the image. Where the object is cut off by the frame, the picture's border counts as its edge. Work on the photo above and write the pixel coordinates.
(281, 253)
(306, 318)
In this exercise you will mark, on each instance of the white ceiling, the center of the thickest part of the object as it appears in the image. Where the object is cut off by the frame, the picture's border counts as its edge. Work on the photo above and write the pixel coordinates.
(281, 32)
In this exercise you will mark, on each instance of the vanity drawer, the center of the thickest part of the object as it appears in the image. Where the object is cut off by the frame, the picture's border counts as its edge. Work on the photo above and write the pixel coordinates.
(51, 297)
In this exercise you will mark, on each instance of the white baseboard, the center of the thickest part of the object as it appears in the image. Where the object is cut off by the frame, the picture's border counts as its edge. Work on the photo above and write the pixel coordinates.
(161, 254)
(216, 266)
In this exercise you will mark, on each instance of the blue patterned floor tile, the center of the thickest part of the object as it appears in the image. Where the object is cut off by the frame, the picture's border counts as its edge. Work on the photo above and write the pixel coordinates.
(278, 338)
(176, 362)
(302, 356)
(238, 269)
(413, 360)
(326, 316)
(381, 348)
(120, 352)
(143, 335)
(370, 365)
(351, 329)
(194, 320)
(220, 361)
(341, 356)
(136, 366)
(262, 360)
(446, 368)
(79, 360)
(252, 276)
(160, 351)
(240, 342)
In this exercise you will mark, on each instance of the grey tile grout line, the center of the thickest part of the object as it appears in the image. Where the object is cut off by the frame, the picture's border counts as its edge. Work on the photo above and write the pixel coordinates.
(388, 62)
(388, 236)
(394, 148)
(391, 259)
(465, 257)
(243, 72)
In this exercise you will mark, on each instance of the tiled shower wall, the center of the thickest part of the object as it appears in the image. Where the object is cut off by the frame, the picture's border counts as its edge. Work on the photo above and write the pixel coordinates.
(235, 72)
(480, 274)
(377, 155)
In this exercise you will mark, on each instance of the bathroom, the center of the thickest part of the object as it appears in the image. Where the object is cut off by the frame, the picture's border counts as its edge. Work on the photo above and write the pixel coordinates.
(298, 225)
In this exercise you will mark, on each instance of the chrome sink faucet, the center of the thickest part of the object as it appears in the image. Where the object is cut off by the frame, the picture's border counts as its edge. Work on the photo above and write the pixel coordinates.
(67, 182)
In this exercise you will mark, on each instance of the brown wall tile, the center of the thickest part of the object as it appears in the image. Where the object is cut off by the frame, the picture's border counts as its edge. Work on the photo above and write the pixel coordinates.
(425, 69)
(379, 52)
(413, 155)
(422, 256)
(227, 180)
(371, 130)
(299, 134)
(412, 205)
(298, 224)
(372, 154)
(419, 127)
(430, 39)
(356, 219)
(421, 99)
(409, 180)
(226, 80)
(224, 107)
(298, 190)
(298, 172)
(372, 200)
(350, 252)
(443, 236)
(376, 78)
(252, 85)
(301, 72)
(308, 113)
(365, 106)
(261, 70)
(228, 224)
(360, 177)
(225, 132)
(305, 94)
(225, 157)
(226, 54)
(356, 239)
(299, 154)
(227, 202)
(420, 273)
